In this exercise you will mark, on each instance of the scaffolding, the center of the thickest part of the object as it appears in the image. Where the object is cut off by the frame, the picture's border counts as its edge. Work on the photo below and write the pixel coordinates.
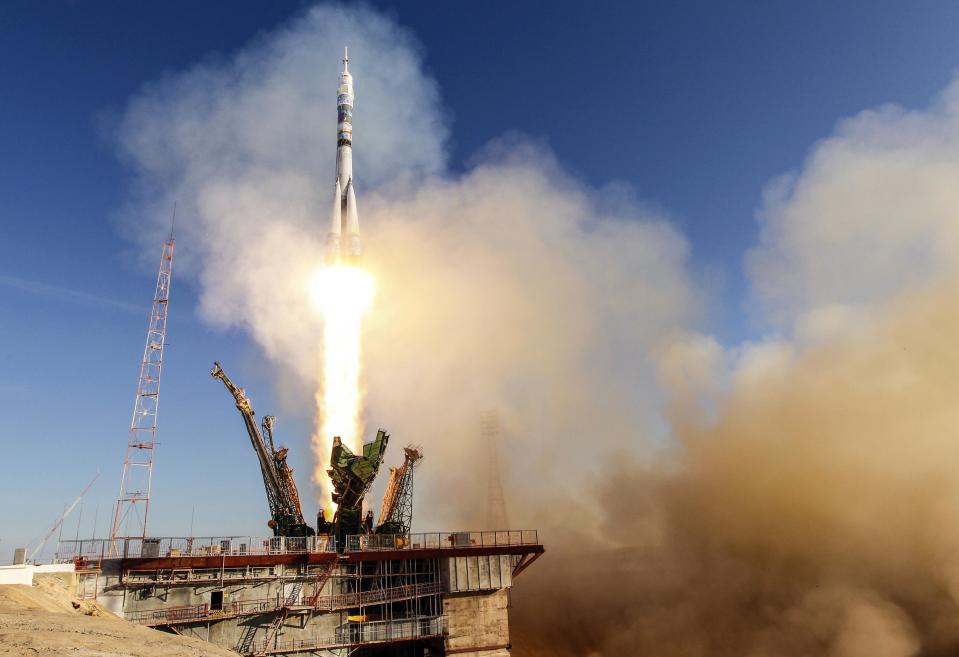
(396, 511)
(163, 616)
(385, 601)
(356, 635)
(286, 595)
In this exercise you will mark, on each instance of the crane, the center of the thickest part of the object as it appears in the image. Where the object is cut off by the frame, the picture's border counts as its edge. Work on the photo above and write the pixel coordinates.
(281, 493)
(396, 512)
(61, 519)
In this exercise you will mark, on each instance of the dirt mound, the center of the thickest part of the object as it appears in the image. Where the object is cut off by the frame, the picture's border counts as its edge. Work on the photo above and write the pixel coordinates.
(45, 620)
(52, 592)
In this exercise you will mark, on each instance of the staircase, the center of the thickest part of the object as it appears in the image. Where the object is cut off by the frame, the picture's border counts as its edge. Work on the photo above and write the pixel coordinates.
(321, 581)
(281, 615)
(245, 646)
(294, 594)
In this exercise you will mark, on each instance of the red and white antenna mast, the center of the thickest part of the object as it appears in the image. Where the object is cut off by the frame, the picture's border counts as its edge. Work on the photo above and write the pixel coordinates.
(129, 520)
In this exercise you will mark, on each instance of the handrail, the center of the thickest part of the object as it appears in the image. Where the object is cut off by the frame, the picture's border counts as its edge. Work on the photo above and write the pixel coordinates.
(355, 634)
(174, 546)
(193, 613)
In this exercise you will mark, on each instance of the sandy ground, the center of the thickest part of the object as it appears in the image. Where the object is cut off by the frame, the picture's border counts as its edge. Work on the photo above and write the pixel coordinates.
(46, 620)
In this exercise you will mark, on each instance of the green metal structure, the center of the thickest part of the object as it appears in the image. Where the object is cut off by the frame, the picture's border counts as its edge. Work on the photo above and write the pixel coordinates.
(352, 476)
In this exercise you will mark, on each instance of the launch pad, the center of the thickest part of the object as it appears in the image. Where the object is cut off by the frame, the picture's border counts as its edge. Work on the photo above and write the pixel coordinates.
(348, 584)
(431, 593)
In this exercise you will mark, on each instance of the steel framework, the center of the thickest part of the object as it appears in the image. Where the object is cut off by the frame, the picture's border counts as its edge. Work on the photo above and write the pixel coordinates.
(286, 514)
(138, 461)
(396, 511)
(496, 516)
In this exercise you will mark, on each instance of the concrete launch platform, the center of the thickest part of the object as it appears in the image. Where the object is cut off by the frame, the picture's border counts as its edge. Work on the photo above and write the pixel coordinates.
(423, 594)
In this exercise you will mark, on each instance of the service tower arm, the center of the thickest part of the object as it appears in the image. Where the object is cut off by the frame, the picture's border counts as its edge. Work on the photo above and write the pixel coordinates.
(284, 472)
(396, 511)
(285, 511)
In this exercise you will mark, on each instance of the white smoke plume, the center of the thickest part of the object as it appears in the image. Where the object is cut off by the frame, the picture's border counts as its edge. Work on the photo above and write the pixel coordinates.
(512, 287)
(244, 146)
(799, 501)
(873, 212)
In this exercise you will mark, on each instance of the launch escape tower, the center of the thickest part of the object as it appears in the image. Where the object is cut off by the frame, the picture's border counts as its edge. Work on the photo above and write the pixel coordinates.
(137, 477)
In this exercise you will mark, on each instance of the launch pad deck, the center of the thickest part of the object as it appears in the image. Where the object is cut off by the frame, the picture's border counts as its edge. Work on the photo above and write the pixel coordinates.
(315, 595)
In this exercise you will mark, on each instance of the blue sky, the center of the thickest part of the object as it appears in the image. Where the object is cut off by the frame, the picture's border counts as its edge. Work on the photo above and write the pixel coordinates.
(695, 105)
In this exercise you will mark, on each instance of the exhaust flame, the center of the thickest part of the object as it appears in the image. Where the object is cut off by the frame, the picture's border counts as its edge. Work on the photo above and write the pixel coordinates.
(342, 294)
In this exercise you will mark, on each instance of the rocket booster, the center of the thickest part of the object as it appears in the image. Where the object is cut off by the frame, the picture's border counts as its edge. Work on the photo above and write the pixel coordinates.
(344, 220)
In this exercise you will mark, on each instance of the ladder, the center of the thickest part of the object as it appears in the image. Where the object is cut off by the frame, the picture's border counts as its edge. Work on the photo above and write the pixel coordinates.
(294, 594)
(321, 581)
(245, 646)
(281, 615)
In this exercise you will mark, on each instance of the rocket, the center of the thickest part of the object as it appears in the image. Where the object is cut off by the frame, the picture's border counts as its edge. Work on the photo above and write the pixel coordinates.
(344, 220)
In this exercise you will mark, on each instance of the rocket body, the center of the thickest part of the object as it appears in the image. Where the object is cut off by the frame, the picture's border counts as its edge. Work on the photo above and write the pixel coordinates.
(343, 240)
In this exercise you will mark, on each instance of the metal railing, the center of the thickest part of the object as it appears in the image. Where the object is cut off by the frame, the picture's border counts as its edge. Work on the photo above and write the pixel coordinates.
(378, 596)
(209, 546)
(441, 540)
(190, 613)
(203, 612)
(166, 615)
(355, 634)
(167, 547)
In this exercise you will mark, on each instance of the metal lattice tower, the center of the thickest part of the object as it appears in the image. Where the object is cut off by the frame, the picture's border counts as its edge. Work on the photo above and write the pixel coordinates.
(495, 503)
(128, 521)
(397, 507)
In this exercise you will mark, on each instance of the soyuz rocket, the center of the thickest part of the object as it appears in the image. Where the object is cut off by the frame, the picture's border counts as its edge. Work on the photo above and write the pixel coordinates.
(344, 221)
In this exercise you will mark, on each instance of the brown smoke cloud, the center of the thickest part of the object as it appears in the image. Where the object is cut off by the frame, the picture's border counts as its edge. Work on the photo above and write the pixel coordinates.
(815, 516)
(797, 499)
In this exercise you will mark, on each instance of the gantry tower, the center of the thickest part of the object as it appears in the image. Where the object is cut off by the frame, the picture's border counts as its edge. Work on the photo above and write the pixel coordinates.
(286, 513)
(396, 512)
(133, 502)
(496, 517)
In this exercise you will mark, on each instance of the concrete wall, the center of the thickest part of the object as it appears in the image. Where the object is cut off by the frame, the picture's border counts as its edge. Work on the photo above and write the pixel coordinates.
(484, 573)
(478, 624)
(229, 631)
(19, 574)
(54, 568)
(475, 603)
(23, 573)
(109, 597)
